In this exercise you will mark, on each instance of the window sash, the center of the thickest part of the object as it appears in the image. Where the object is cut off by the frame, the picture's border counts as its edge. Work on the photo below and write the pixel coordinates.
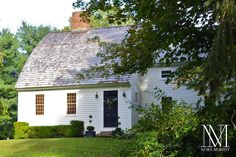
(71, 103)
(39, 104)
(165, 73)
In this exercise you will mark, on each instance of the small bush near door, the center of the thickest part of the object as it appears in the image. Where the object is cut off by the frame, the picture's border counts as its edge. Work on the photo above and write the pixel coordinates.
(23, 130)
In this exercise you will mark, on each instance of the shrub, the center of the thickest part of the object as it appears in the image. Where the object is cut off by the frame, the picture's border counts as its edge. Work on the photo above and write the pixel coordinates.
(90, 128)
(5, 127)
(118, 133)
(77, 128)
(143, 144)
(161, 133)
(41, 131)
(20, 130)
(23, 130)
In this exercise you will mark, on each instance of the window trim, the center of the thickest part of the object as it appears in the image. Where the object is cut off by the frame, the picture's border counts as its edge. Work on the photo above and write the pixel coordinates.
(39, 104)
(165, 74)
(167, 98)
(71, 102)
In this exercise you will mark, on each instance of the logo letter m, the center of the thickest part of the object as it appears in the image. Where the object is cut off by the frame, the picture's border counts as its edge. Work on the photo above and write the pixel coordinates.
(213, 138)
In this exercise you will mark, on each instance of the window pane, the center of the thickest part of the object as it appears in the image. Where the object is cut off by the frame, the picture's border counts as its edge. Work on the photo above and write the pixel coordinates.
(165, 73)
(71, 103)
(39, 104)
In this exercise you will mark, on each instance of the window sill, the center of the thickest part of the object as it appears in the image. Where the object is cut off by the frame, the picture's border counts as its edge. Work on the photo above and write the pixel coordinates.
(71, 115)
(39, 115)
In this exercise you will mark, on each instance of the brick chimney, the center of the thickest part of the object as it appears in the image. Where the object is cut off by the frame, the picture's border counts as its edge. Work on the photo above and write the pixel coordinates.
(78, 23)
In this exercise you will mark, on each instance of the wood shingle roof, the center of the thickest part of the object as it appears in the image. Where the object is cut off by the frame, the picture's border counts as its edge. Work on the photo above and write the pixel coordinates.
(61, 55)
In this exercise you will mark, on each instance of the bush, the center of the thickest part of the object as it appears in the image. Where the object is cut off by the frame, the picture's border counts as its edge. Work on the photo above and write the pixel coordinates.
(143, 144)
(90, 128)
(51, 131)
(5, 127)
(161, 133)
(20, 130)
(23, 130)
(118, 133)
(40, 131)
(77, 128)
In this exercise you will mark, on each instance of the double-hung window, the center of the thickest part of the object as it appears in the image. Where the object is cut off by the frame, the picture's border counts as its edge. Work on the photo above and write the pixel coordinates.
(165, 73)
(39, 104)
(71, 103)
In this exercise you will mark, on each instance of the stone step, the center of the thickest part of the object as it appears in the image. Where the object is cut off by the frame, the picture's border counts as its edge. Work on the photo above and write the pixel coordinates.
(105, 134)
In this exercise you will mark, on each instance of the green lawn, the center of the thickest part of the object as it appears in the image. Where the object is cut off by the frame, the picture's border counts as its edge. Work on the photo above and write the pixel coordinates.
(61, 147)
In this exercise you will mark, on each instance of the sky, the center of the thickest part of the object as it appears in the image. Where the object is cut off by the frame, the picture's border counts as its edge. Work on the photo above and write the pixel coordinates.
(47, 12)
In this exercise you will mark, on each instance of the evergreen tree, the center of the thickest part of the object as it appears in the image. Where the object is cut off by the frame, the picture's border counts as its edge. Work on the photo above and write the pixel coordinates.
(12, 62)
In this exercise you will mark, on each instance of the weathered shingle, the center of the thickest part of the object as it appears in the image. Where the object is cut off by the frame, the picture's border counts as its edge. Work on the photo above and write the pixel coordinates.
(60, 56)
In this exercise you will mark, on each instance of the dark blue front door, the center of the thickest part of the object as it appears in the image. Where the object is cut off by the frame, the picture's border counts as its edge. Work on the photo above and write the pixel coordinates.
(110, 108)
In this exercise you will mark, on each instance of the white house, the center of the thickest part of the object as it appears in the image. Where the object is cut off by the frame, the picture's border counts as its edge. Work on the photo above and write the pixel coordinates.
(49, 93)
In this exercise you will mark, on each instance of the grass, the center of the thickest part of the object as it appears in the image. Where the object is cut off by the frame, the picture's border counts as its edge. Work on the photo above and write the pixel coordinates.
(61, 147)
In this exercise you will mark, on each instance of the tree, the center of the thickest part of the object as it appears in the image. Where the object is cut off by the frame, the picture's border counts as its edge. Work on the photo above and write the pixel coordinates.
(200, 33)
(1, 58)
(14, 50)
(101, 19)
(12, 62)
(12, 59)
(30, 35)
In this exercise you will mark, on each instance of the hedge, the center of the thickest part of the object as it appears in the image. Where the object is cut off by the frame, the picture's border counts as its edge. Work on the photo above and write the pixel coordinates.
(23, 130)
(77, 128)
(20, 130)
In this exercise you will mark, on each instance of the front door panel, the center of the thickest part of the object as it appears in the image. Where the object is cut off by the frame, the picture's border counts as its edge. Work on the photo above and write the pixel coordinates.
(110, 108)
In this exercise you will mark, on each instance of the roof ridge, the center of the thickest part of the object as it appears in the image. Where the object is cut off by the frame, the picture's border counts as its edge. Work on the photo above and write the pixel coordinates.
(86, 30)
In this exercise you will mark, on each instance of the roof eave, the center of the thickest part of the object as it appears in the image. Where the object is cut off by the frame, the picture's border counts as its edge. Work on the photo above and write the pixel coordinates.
(82, 86)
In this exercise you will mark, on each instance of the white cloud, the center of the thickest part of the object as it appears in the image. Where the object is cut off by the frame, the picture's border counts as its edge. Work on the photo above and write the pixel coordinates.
(47, 12)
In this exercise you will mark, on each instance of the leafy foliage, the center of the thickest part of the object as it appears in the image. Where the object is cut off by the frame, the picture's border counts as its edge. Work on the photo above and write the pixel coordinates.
(175, 129)
(90, 128)
(12, 60)
(20, 130)
(23, 130)
(160, 133)
(119, 132)
(102, 19)
(29, 35)
(200, 33)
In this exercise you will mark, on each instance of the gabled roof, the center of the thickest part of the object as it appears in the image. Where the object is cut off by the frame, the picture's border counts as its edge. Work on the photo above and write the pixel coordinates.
(59, 57)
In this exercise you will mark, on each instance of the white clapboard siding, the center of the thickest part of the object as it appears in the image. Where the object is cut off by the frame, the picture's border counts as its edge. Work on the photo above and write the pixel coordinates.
(55, 107)
(88, 104)
(135, 96)
(153, 79)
